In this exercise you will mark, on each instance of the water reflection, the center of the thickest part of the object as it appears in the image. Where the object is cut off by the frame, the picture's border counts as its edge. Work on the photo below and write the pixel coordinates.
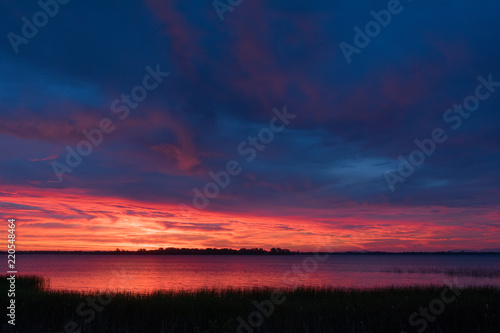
(148, 273)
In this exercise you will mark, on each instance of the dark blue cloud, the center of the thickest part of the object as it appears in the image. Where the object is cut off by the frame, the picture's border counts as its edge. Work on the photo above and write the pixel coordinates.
(353, 120)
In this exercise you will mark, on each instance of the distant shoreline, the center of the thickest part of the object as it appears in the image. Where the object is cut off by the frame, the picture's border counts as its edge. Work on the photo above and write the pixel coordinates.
(245, 253)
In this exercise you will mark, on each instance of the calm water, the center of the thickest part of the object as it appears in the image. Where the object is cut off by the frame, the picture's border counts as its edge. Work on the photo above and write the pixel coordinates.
(147, 273)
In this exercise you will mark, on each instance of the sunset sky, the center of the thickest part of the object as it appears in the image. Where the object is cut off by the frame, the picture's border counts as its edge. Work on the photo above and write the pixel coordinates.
(320, 177)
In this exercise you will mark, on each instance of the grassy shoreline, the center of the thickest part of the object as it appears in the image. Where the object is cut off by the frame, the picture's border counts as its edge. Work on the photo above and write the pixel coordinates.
(302, 310)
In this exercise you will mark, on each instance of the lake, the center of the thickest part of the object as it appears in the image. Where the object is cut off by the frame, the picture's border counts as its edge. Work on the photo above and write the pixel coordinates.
(147, 273)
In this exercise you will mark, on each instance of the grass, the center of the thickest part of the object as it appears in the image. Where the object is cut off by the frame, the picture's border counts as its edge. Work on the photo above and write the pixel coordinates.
(208, 311)
(483, 272)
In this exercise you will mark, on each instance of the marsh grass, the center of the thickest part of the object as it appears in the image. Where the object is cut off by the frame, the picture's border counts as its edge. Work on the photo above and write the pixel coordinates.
(305, 310)
(484, 272)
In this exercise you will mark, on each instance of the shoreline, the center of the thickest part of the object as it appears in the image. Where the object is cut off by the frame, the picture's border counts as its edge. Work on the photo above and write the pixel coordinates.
(231, 252)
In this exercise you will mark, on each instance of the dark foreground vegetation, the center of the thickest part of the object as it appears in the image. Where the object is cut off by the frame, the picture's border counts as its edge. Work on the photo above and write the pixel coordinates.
(301, 310)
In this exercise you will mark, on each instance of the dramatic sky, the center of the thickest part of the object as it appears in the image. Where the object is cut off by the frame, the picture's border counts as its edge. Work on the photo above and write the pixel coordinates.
(321, 177)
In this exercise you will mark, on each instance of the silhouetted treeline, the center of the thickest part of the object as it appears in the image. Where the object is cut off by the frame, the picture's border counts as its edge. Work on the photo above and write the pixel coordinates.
(173, 250)
(177, 251)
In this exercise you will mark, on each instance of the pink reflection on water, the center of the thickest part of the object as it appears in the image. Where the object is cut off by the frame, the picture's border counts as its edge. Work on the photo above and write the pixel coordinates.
(149, 273)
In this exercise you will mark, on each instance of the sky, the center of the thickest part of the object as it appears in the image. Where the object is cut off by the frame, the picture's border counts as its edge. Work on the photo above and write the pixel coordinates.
(367, 125)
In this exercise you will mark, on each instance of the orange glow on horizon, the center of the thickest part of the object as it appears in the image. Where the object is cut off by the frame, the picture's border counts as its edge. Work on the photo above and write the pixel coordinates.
(50, 219)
